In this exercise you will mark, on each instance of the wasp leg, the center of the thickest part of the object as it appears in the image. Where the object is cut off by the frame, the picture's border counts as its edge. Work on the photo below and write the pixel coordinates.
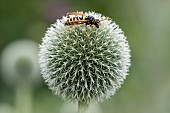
(86, 31)
(102, 26)
(70, 26)
(67, 29)
(92, 26)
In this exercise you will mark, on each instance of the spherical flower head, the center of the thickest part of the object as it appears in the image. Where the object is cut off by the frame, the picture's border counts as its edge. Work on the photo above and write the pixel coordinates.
(19, 62)
(82, 63)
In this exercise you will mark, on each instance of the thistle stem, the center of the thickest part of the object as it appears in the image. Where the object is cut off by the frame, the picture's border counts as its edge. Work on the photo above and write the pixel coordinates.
(24, 98)
(83, 107)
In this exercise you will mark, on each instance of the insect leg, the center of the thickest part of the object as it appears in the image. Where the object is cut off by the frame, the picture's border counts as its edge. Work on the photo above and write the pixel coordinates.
(92, 26)
(86, 31)
(70, 26)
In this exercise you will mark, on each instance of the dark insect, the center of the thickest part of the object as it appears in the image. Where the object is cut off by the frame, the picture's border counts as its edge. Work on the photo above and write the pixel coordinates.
(75, 18)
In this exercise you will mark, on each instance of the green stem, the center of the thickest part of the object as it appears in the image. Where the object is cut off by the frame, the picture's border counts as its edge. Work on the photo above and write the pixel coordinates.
(83, 107)
(24, 98)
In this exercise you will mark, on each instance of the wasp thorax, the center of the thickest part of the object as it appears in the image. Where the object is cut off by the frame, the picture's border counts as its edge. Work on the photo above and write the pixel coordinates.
(90, 18)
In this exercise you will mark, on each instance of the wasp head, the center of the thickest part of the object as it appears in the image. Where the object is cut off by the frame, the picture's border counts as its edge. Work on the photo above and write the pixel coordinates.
(97, 23)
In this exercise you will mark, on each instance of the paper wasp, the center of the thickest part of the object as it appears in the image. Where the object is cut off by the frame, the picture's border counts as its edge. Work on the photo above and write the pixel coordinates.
(76, 18)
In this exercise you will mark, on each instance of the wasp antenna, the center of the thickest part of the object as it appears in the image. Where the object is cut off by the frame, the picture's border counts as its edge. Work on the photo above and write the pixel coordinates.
(106, 19)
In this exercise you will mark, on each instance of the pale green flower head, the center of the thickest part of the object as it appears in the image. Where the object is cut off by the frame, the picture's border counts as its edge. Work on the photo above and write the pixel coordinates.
(84, 65)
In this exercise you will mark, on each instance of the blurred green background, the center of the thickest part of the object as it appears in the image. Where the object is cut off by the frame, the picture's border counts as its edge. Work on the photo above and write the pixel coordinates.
(146, 23)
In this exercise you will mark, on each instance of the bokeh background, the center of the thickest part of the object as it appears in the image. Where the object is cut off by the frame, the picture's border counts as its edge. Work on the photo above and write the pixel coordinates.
(146, 23)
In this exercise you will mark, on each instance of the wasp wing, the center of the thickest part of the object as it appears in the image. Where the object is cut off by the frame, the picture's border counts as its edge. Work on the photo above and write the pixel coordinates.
(76, 13)
(79, 21)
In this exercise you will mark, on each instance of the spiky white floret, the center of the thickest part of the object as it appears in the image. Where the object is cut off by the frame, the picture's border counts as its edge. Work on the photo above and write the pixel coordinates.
(84, 66)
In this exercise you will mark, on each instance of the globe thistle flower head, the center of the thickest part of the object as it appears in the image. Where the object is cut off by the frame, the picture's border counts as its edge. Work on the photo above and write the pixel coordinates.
(84, 64)
(19, 62)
